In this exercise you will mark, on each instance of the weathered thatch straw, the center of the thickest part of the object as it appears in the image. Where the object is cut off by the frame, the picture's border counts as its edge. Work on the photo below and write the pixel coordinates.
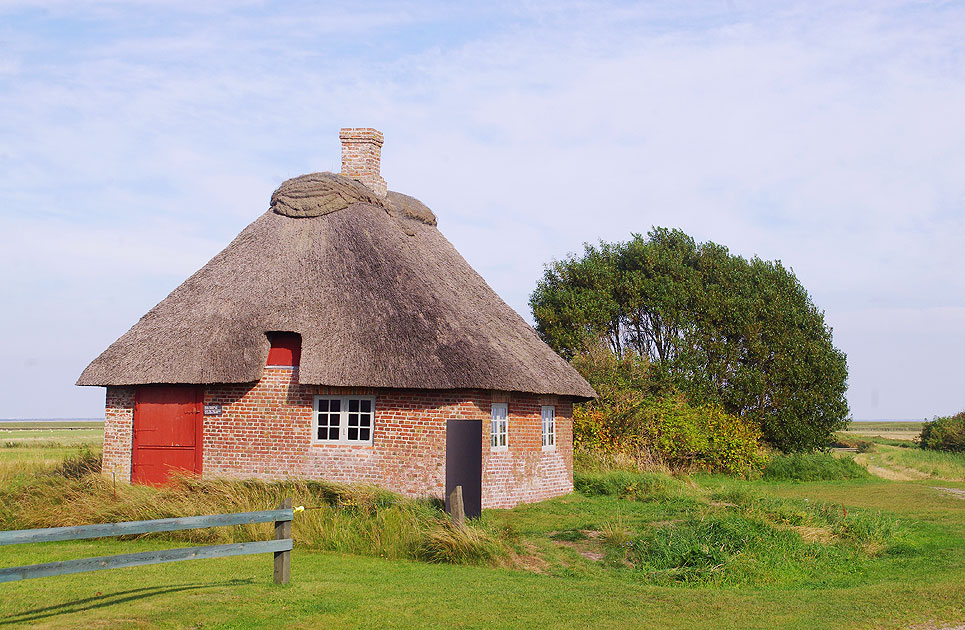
(378, 295)
(397, 203)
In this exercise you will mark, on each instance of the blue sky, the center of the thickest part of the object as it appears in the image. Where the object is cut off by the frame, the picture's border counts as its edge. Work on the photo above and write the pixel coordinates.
(136, 139)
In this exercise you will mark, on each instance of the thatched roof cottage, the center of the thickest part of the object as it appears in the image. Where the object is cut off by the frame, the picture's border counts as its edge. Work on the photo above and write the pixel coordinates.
(341, 336)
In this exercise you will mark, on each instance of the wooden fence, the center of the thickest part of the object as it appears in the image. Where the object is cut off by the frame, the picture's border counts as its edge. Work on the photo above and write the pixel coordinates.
(281, 545)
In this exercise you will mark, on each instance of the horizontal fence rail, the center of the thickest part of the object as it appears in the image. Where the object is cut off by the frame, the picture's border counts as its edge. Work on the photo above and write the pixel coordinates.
(103, 530)
(83, 565)
(281, 546)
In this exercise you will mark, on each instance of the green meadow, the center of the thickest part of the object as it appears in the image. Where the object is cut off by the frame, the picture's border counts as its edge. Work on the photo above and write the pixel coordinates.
(626, 550)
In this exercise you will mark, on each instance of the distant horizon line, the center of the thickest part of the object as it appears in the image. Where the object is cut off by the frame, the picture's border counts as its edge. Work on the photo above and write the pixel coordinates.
(100, 419)
(890, 420)
(67, 419)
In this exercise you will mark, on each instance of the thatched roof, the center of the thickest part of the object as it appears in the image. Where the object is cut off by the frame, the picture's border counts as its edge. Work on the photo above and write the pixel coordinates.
(377, 293)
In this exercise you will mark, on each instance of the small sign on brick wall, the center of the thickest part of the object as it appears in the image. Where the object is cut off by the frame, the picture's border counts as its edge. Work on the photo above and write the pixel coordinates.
(212, 410)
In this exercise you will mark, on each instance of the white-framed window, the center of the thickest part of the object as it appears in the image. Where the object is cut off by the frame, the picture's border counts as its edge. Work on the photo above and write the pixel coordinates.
(548, 413)
(499, 427)
(344, 419)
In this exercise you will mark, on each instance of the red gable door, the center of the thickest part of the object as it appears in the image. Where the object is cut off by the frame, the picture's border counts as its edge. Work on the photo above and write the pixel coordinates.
(167, 432)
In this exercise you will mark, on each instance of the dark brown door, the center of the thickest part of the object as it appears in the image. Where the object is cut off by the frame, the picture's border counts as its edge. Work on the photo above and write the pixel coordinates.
(167, 432)
(464, 463)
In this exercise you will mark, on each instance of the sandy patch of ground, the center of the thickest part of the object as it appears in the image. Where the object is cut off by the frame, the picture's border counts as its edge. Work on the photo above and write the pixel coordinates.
(529, 560)
(893, 475)
(587, 547)
(589, 554)
(894, 435)
(958, 493)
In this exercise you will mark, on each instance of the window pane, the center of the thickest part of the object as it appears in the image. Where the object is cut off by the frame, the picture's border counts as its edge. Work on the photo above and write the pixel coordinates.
(333, 433)
(335, 404)
(366, 405)
(353, 419)
(325, 419)
(498, 424)
(548, 413)
(365, 420)
(353, 434)
(353, 404)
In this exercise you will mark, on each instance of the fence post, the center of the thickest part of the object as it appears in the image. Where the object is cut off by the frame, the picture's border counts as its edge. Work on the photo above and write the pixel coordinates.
(457, 509)
(283, 559)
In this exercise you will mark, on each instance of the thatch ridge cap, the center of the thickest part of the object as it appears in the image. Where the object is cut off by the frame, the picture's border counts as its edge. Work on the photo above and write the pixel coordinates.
(318, 194)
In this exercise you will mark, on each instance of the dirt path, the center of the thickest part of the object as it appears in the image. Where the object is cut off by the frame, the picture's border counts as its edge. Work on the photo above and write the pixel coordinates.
(893, 473)
(958, 493)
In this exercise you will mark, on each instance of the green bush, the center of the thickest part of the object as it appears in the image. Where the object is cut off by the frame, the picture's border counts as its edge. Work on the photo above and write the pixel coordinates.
(945, 434)
(704, 438)
(813, 467)
(657, 429)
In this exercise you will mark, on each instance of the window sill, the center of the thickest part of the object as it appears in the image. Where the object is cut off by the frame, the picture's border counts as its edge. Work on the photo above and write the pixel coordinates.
(354, 444)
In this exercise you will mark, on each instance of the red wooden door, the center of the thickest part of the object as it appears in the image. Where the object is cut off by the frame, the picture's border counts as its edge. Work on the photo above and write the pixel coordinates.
(167, 432)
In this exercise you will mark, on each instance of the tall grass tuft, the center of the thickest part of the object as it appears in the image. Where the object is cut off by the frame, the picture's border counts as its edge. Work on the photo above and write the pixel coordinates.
(813, 467)
(935, 464)
(632, 485)
(459, 545)
(86, 462)
(599, 460)
(349, 519)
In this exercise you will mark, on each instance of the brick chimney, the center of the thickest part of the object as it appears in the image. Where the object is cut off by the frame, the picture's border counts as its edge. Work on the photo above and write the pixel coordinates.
(362, 157)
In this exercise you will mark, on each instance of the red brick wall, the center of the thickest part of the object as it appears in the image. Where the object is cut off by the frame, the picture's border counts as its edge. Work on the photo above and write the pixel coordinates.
(525, 472)
(265, 431)
(118, 420)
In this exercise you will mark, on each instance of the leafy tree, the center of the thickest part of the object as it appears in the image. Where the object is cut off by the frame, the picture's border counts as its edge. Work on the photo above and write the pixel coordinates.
(720, 328)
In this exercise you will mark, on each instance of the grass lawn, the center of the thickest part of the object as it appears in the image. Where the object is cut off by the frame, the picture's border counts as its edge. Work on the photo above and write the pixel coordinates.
(48, 425)
(45, 443)
(868, 553)
(41, 437)
(335, 590)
